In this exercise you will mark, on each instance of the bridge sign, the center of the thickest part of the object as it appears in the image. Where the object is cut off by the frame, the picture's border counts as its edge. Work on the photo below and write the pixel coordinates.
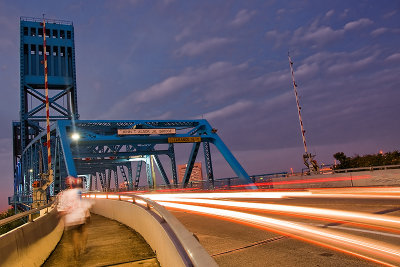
(146, 131)
(184, 139)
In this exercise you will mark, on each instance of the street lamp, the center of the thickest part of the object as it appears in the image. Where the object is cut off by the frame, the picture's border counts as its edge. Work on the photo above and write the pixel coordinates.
(75, 136)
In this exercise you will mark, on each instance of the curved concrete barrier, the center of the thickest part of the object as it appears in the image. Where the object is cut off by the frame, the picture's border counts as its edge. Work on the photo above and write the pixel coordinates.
(173, 244)
(31, 243)
(390, 177)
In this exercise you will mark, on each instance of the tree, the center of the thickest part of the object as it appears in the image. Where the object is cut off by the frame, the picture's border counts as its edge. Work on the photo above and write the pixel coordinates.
(343, 159)
(380, 159)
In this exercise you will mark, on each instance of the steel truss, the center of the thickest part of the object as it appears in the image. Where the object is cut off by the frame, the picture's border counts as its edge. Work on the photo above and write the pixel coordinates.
(101, 152)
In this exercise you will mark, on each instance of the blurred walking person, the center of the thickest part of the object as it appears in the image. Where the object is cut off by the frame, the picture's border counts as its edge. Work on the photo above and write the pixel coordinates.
(75, 212)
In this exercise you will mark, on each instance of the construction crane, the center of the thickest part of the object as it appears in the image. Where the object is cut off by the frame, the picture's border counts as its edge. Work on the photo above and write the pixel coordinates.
(308, 158)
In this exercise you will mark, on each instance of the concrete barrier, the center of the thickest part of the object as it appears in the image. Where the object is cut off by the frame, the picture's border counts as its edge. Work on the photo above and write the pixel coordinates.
(32, 243)
(344, 179)
(157, 232)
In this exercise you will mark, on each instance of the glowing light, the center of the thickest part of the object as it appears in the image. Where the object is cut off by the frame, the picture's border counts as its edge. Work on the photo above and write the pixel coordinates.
(381, 220)
(75, 136)
(126, 198)
(139, 201)
(308, 181)
(259, 195)
(369, 249)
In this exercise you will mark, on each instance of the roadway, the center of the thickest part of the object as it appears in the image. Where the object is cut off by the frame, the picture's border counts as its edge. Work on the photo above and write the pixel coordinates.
(331, 227)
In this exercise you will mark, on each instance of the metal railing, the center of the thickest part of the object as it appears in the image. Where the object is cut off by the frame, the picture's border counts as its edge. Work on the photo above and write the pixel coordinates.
(17, 199)
(26, 214)
(263, 181)
(371, 168)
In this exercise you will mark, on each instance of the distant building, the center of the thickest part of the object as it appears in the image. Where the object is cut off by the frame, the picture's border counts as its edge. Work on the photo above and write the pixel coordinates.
(197, 173)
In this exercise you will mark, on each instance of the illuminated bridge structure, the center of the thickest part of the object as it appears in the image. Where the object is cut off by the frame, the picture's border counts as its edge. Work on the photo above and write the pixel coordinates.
(93, 150)
(101, 152)
(107, 151)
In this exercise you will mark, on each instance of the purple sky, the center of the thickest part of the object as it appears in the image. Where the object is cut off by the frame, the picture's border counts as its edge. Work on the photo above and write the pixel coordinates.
(226, 61)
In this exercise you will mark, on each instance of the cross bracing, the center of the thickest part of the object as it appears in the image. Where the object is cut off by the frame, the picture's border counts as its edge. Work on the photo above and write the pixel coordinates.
(100, 153)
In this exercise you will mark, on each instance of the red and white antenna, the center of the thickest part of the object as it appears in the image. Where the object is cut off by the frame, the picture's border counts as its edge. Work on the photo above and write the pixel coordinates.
(46, 87)
(308, 158)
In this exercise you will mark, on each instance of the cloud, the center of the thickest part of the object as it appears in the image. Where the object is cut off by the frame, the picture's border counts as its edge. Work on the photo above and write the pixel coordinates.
(393, 57)
(357, 24)
(345, 13)
(280, 11)
(283, 79)
(184, 33)
(316, 34)
(307, 70)
(378, 31)
(230, 110)
(173, 86)
(329, 13)
(322, 35)
(273, 79)
(187, 78)
(279, 37)
(242, 17)
(346, 67)
(390, 14)
(196, 48)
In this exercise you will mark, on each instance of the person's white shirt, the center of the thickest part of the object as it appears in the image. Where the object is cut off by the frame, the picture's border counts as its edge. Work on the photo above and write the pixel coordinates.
(73, 206)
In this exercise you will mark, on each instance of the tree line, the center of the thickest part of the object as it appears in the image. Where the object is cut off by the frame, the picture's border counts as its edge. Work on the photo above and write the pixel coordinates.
(380, 159)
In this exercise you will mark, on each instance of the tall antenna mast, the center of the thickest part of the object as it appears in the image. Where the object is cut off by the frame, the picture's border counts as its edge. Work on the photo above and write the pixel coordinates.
(307, 157)
(46, 87)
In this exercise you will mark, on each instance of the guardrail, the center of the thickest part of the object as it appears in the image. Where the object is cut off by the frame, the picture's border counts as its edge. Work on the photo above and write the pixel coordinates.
(372, 168)
(31, 243)
(25, 214)
(190, 250)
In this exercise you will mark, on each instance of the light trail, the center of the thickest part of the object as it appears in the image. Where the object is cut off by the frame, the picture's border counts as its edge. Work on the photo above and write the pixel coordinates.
(251, 194)
(309, 181)
(358, 230)
(361, 193)
(373, 250)
(359, 217)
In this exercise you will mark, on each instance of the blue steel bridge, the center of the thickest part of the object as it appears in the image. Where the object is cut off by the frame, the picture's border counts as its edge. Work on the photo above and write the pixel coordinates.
(97, 151)
(350, 223)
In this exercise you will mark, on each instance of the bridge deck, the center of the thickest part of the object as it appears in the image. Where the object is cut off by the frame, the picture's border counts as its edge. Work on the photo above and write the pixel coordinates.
(109, 243)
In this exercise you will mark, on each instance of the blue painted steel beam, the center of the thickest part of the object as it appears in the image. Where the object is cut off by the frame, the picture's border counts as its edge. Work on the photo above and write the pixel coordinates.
(173, 164)
(149, 172)
(190, 164)
(138, 171)
(106, 150)
(208, 161)
(161, 169)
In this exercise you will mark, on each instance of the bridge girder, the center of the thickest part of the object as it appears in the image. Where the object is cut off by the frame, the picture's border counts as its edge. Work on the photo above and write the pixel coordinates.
(100, 150)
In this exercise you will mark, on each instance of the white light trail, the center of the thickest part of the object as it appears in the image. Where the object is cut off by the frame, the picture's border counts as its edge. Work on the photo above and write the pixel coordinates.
(363, 247)
(380, 220)
(259, 195)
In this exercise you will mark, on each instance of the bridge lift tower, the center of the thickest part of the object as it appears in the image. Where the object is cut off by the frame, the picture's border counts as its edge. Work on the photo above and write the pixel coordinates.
(62, 97)
(44, 154)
